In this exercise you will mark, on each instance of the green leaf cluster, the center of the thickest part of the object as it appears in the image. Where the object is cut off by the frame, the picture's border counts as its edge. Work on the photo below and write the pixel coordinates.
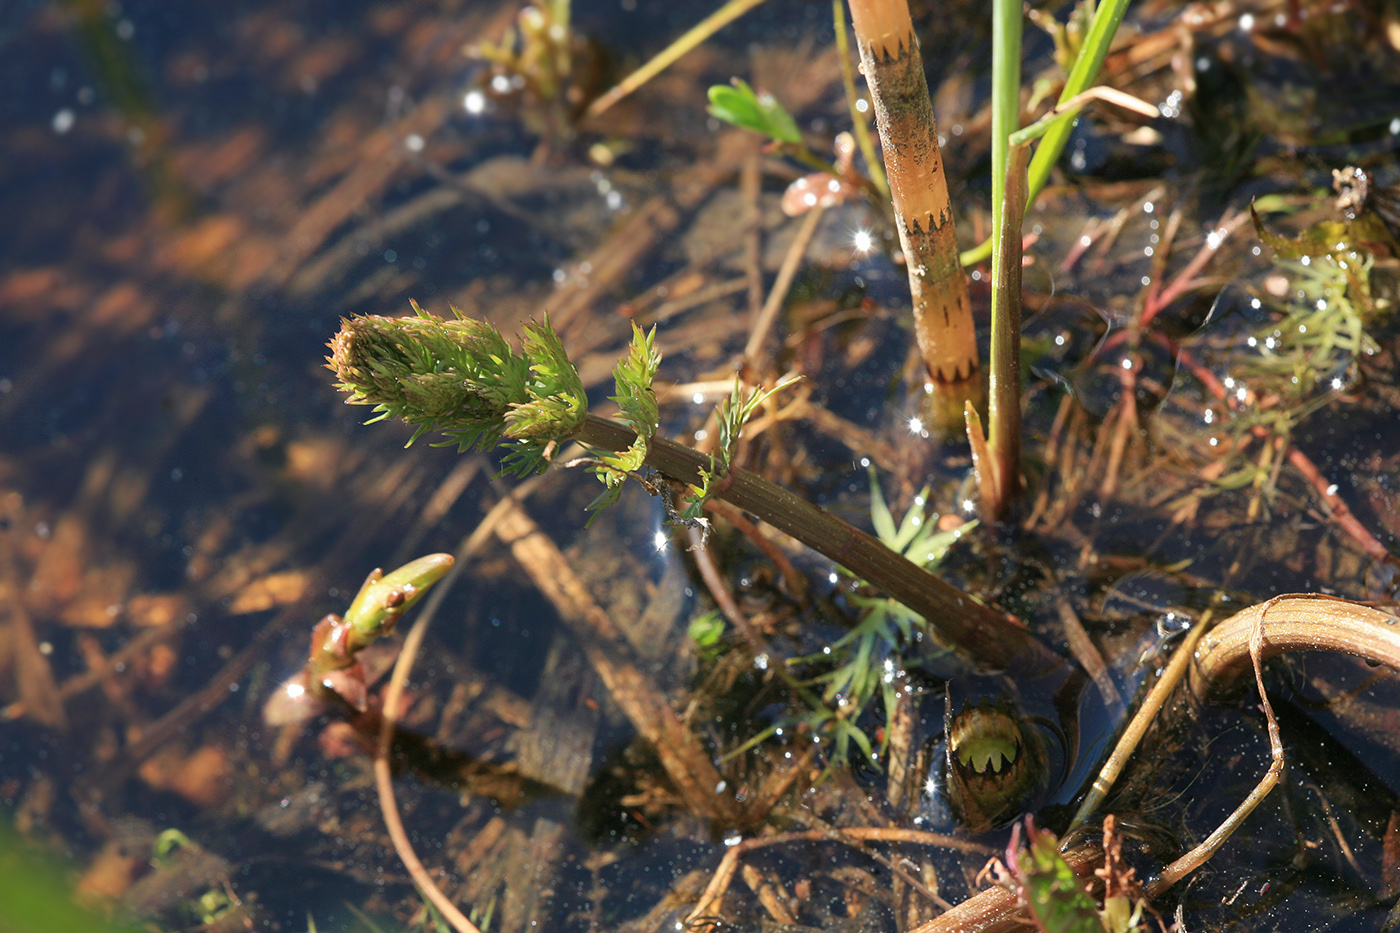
(739, 105)
(460, 376)
(1054, 897)
(636, 401)
(732, 414)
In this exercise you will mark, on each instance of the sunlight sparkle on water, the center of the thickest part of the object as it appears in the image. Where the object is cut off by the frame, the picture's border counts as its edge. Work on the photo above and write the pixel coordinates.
(916, 425)
(295, 690)
(474, 102)
(862, 241)
(659, 539)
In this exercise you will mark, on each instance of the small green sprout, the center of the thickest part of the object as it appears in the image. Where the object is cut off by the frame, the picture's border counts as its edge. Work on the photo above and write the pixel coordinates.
(334, 666)
(636, 401)
(738, 104)
(732, 414)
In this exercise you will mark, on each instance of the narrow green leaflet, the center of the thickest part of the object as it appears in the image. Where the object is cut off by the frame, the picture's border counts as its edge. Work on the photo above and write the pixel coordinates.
(633, 376)
(738, 104)
(557, 403)
(732, 413)
(917, 538)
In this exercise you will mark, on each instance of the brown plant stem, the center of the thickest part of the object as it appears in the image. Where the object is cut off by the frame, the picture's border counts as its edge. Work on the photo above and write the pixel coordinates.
(998, 909)
(956, 618)
(704, 915)
(894, 72)
(1302, 622)
(384, 779)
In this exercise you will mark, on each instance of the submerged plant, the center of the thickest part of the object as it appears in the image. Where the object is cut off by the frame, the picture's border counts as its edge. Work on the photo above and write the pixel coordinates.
(460, 376)
(866, 658)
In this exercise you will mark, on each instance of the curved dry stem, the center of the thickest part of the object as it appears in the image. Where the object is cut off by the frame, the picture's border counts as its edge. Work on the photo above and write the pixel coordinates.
(1298, 622)
(703, 917)
(791, 262)
(1142, 719)
(383, 779)
(1202, 853)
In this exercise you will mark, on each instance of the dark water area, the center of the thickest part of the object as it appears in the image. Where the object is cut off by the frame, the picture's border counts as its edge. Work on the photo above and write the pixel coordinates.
(194, 196)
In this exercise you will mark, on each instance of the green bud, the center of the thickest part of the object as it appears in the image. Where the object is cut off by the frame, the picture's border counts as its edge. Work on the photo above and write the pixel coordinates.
(382, 600)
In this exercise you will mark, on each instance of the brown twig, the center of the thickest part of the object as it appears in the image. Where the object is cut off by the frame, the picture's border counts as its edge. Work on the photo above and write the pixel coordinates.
(779, 292)
(703, 916)
(383, 776)
(1302, 622)
(1202, 853)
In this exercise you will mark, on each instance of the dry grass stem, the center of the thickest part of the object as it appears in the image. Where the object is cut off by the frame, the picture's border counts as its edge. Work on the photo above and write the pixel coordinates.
(1212, 843)
(792, 260)
(1304, 622)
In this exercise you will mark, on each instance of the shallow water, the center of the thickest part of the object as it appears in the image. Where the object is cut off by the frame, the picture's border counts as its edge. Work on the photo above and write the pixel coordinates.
(196, 196)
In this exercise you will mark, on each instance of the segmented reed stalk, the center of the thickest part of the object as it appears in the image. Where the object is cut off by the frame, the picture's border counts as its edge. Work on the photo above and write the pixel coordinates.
(894, 72)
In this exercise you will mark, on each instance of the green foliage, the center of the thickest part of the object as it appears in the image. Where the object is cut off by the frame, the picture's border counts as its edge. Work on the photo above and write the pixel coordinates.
(557, 403)
(866, 655)
(1054, 897)
(1055, 900)
(167, 843)
(706, 631)
(382, 600)
(35, 898)
(462, 378)
(732, 414)
(636, 401)
(458, 376)
(737, 103)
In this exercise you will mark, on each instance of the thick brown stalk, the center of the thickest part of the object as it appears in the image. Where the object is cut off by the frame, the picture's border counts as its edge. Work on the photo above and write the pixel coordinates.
(894, 71)
(980, 632)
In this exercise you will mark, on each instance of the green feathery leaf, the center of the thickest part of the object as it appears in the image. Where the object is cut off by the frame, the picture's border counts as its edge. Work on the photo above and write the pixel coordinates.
(458, 376)
(636, 399)
(732, 413)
